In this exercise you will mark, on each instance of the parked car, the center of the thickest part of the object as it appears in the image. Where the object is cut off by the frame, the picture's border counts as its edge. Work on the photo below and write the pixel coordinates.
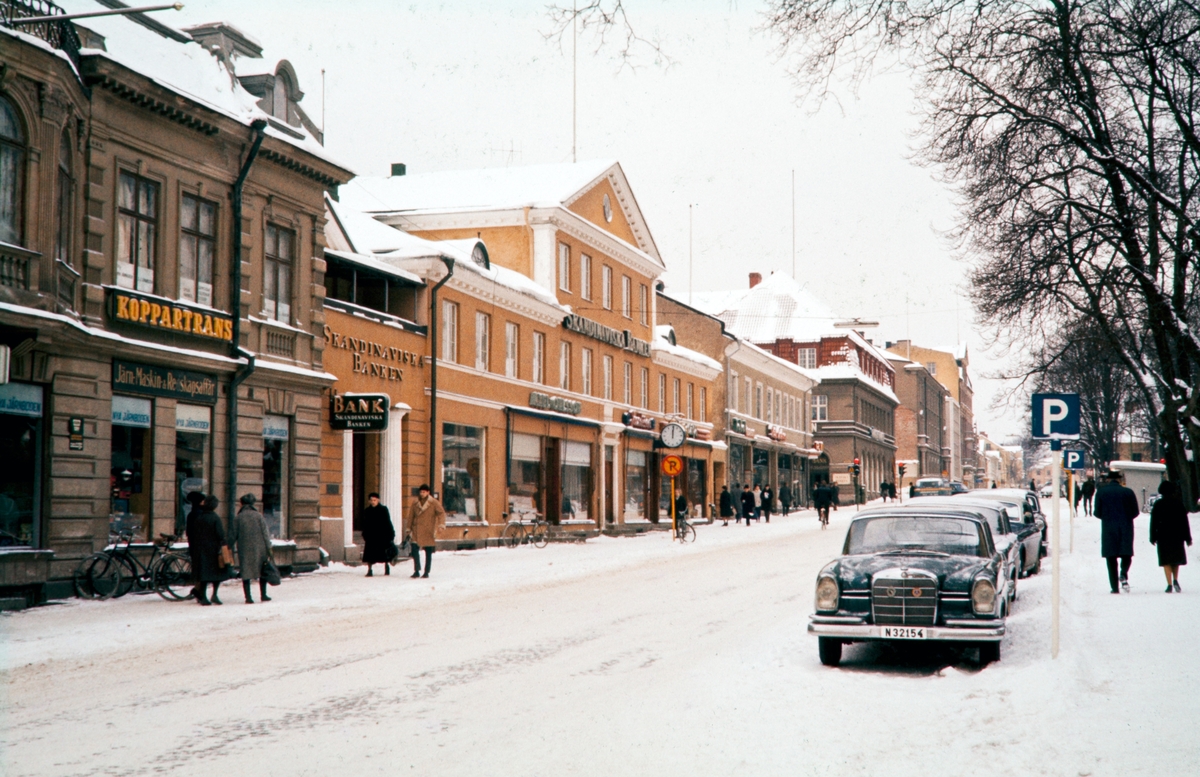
(1013, 537)
(1031, 509)
(932, 487)
(911, 574)
(957, 487)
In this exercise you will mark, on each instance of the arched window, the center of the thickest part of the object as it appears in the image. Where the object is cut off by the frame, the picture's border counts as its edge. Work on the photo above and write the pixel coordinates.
(279, 103)
(62, 234)
(12, 163)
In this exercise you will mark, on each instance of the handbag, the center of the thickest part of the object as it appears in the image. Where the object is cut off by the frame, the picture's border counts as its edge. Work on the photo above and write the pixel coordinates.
(393, 553)
(270, 573)
(224, 557)
(406, 547)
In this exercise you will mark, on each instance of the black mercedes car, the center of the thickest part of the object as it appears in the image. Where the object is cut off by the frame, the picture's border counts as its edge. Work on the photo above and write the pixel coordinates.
(912, 575)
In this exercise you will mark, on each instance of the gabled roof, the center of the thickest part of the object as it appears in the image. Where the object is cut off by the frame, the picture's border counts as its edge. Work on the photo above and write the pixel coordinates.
(778, 308)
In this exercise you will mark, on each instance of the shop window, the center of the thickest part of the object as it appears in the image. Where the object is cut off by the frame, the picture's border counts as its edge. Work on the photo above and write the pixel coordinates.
(820, 407)
(12, 173)
(737, 469)
(197, 246)
(449, 333)
(64, 188)
(606, 287)
(607, 373)
(539, 357)
(762, 467)
(277, 273)
(131, 468)
(564, 267)
(628, 383)
(645, 386)
(585, 276)
(483, 338)
(512, 339)
(637, 485)
(807, 358)
(137, 232)
(193, 427)
(645, 306)
(21, 452)
(626, 296)
(564, 366)
(576, 481)
(585, 367)
(525, 475)
(275, 474)
(697, 487)
(462, 470)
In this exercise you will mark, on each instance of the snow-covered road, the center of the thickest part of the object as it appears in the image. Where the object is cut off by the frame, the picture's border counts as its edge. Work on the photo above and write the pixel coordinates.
(618, 656)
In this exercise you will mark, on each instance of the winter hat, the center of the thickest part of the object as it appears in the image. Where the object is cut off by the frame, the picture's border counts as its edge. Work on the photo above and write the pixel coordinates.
(424, 487)
(211, 502)
(248, 499)
(195, 497)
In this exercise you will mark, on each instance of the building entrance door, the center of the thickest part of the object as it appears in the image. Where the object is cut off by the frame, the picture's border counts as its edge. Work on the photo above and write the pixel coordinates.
(608, 484)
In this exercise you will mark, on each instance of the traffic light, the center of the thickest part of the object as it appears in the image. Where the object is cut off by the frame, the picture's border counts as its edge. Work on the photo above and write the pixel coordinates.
(857, 468)
(900, 469)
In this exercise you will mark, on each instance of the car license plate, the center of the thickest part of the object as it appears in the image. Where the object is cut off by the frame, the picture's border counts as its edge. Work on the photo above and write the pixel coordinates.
(894, 632)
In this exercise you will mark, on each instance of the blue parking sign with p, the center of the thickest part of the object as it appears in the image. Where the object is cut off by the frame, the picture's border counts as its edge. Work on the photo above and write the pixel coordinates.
(1074, 459)
(1055, 416)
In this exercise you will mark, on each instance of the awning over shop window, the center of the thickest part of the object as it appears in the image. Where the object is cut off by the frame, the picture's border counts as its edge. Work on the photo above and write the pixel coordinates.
(635, 458)
(193, 418)
(577, 454)
(131, 411)
(21, 399)
(526, 447)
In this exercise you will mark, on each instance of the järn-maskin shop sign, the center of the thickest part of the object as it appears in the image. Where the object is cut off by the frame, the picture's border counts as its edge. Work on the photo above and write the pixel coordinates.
(606, 334)
(158, 381)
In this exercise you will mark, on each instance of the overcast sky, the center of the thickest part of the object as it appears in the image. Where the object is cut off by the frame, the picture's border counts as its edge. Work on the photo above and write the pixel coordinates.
(457, 85)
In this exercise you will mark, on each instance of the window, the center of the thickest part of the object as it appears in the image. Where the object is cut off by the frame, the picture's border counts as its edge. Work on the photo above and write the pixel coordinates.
(585, 276)
(279, 98)
(778, 407)
(628, 383)
(770, 403)
(807, 358)
(483, 336)
(137, 231)
(564, 367)
(12, 172)
(449, 331)
(585, 366)
(539, 357)
(197, 245)
(606, 287)
(512, 335)
(691, 398)
(462, 471)
(576, 481)
(758, 401)
(820, 407)
(932, 367)
(277, 286)
(564, 266)
(645, 306)
(662, 393)
(749, 398)
(675, 396)
(703, 404)
(733, 388)
(645, 388)
(626, 294)
(65, 187)
(608, 376)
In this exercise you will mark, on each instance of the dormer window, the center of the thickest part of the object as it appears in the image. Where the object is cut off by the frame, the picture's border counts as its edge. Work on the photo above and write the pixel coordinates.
(279, 103)
(479, 256)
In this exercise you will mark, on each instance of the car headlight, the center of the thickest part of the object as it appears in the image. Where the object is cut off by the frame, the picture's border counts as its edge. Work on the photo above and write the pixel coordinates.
(827, 594)
(983, 597)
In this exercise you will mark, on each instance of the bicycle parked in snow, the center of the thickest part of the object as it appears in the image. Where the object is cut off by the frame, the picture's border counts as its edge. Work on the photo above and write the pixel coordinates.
(114, 571)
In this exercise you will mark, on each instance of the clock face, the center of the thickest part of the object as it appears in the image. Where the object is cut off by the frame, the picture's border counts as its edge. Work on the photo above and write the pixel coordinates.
(673, 435)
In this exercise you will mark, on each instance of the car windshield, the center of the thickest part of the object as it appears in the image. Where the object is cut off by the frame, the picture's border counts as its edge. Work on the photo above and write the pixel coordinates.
(959, 536)
(931, 483)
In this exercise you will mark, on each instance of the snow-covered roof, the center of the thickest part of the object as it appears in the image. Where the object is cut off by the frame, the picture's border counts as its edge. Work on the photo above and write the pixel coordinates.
(373, 263)
(747, 346)
(465, 190)
(778, 308)
(183, 66)
(849, 371)
(664, 345)
(368, 236)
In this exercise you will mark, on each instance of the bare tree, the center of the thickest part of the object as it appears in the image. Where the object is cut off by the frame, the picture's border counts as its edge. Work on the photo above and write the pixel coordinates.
(609, 24)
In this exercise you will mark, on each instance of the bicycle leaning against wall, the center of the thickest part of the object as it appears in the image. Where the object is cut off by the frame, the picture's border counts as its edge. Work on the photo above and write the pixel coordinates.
(114, 571)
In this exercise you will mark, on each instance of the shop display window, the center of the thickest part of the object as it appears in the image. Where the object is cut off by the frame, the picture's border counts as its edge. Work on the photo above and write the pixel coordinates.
(737, 467)
(637, 485)
(275, 474)
(462, 457)
(193, 424)
(19, 449)
(525, 476)
(130, 471)
(762, 465)
(576, 481)
(697, 486)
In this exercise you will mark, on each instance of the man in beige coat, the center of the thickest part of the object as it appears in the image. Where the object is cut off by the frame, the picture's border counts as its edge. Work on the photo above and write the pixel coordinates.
(425, 516)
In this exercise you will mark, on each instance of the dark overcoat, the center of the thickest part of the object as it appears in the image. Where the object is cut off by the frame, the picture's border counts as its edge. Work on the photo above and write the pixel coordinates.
(748, 503)
(726, 504)
(822, 497)
(768, 500)
(1116, 507)
(205, 536)
(378, 534)
(1169, 530)
(249, 535)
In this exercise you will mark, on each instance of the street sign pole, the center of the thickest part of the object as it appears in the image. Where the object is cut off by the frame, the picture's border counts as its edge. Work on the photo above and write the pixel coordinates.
(1055, 418)
(1071, 507)
(1055, 544)
(674, 516)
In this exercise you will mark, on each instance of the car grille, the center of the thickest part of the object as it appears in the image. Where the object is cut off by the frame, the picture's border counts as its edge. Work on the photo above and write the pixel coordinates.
(908, 601)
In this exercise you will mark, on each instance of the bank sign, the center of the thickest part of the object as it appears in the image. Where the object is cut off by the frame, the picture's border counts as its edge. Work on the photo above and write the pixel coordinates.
(606, 334)
(359, 412)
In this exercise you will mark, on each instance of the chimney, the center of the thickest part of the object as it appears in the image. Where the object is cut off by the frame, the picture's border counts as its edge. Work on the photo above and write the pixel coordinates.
(399, 168)
(755, 279)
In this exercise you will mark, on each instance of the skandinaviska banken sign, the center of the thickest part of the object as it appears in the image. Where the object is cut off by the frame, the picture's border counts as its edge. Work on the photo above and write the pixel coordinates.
(359, 412)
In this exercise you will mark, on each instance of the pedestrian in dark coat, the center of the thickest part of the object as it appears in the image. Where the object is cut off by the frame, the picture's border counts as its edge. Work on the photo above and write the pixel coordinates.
(1088, 489)
(206, 537)
(681, 506)
(785, 498)
(425, 517)
(836, 498)
(747, 503)
(822, 498)
(250, 537)
(1169, 530)
(379, 535)
(726, 505)
(768, 503)
(1116, 507)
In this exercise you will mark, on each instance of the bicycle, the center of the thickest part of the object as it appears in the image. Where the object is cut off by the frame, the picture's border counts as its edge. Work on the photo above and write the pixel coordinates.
(684, 531)
(516, 533)
(114, 571)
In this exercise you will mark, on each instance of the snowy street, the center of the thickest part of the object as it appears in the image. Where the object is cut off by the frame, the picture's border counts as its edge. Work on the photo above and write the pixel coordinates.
(617, 656)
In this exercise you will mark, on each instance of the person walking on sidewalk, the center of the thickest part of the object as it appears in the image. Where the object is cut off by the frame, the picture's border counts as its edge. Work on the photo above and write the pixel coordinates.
(726, 505)
(747, 503)
(757, 502)
(785, 498)
(1169, 530)
(835, 497)
(206, 537)
(1088, 489)
(425, 517)
(768, 502)
(379, 535)
(1116, 507)
(250, 537)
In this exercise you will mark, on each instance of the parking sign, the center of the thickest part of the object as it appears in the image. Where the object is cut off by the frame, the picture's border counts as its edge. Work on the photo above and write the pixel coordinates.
(1074, 459)
(1056, 416)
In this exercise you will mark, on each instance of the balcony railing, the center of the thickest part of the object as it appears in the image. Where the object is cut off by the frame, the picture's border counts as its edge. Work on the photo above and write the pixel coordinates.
(59, 34)
(18, 267)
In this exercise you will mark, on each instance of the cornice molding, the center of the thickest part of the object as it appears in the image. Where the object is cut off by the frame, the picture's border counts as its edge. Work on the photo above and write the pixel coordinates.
(688, 366)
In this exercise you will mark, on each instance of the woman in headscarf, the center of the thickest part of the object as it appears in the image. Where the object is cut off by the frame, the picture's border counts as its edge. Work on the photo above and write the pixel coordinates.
(1169, 530)
(252, 539)
(206, 537)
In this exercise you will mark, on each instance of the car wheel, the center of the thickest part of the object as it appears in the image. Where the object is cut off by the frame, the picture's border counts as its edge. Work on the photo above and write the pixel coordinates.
(988, 652)
(830, 650)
